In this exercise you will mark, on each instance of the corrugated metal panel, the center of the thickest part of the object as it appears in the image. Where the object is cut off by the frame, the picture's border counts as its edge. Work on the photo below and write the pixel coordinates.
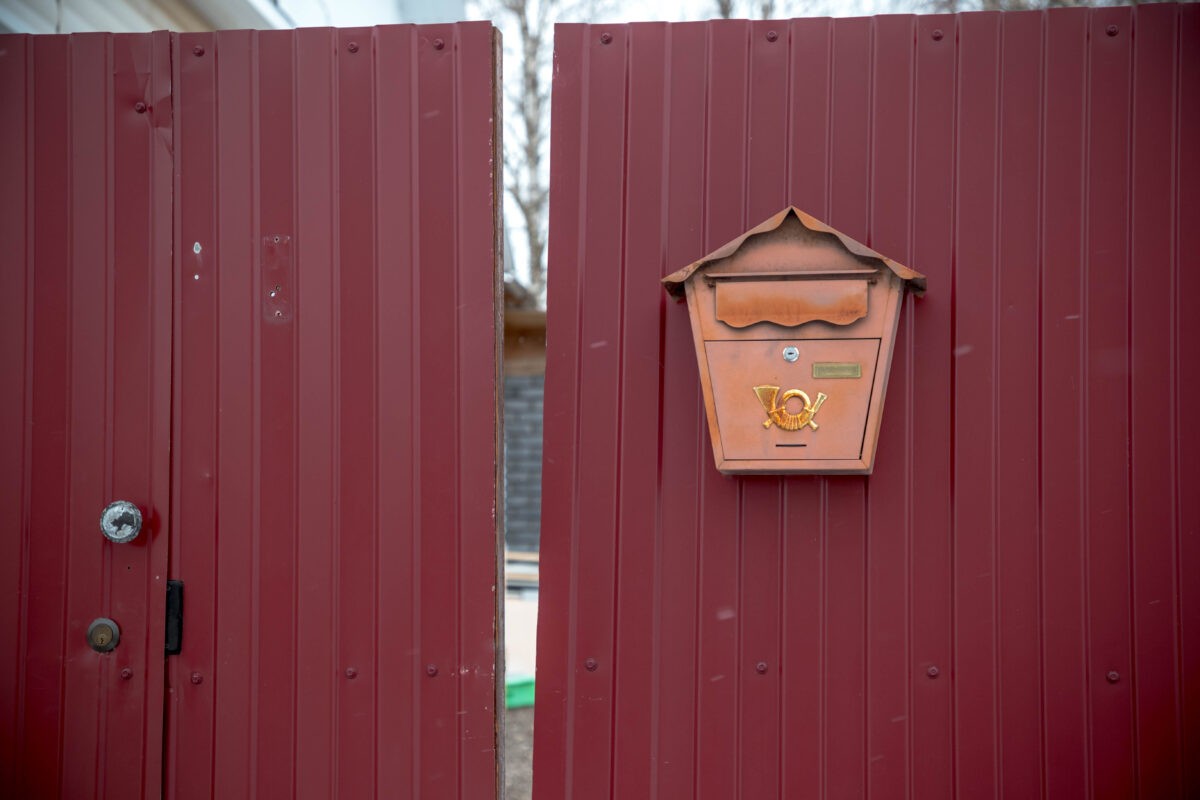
(335, 414)
(948, 626)
(85, 331)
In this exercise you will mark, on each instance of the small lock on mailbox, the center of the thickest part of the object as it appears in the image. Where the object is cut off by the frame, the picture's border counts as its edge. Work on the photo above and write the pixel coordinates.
(794, 325)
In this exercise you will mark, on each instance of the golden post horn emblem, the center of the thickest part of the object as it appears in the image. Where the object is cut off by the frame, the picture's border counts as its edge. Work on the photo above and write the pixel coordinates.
(779, 415)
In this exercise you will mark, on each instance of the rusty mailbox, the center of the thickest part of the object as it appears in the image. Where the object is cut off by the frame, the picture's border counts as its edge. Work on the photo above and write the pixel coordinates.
(794, 324)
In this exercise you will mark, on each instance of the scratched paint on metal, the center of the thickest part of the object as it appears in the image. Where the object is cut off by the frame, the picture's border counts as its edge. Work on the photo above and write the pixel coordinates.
(85, 332)
(335, 424)
(1003, 607)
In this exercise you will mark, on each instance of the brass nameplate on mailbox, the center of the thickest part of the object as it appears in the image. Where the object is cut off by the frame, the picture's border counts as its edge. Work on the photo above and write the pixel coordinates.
(837, 369)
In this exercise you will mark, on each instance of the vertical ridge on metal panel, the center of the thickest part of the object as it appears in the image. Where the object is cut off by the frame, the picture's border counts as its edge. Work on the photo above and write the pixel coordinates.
(1157, 438)
(803, 597)
(767, 85)
(437, 387)
(684, 449)
(16, 175)
(398, 753)
(555, 651)
(1186, 354)
(357, 414)
(321, 307)
(86, 206)
(636, 632)
(1061, 456)
(1001, 608)
(190, 678)
(930, 453)
(1107, 389)
(888, 706)
(719, 613)
(848, 189)
(976, 397)
(1018, 630)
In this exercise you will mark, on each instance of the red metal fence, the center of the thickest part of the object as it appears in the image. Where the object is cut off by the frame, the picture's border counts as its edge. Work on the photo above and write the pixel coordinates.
(1006, 605)
(313, 368)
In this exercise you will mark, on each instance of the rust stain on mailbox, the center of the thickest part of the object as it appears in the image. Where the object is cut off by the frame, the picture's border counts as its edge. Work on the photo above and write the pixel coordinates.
(794, 324)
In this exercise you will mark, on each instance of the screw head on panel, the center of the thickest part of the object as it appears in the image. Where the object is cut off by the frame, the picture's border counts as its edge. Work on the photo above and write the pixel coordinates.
(761, 668)
(439, 44)
(937, 35)
(197, 50)
(591, 664)
(139, 107)
(431, 670)
(197, 678)
(1113, 676)
(126, 674)
(772, 36)
(606, 38)
(351, 673)
(1112, 30)
(352, 47)
(933, 672)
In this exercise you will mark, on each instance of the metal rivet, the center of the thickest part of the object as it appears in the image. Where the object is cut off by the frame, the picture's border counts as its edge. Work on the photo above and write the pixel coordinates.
(591, 664)
(352, 47)
(761, 668)
(937, 35)
(772, 36)
(196, 277)
(351, 673)
(431, 670)
(196, 248)
(197, 678)
(438, 44)
(197, 50)
(933, 672)
(1112, 30)
(126, 674)
(606, 38)
(1113, 676)
(139, 107)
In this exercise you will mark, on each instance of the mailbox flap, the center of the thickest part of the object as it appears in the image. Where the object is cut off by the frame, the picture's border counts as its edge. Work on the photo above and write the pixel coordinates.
(741, 303)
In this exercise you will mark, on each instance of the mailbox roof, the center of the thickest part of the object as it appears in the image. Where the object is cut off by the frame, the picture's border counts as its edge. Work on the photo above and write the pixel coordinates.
(675, 281)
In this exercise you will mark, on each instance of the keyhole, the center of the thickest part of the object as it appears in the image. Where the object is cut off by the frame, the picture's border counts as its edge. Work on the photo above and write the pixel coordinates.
(103, 635)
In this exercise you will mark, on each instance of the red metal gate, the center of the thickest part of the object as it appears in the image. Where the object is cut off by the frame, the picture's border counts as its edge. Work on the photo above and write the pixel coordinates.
(313, 368)
(335, 414)
(1005, 606)
(85, 333)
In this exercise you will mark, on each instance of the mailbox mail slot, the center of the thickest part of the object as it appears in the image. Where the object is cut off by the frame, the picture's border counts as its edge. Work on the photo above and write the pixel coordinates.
(790, 303)
(794, 325)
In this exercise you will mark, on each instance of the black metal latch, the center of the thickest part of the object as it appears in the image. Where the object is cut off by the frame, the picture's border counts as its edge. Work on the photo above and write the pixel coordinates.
(174, 638)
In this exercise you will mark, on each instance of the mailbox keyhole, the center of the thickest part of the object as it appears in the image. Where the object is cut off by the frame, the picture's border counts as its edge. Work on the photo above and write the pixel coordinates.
(791, 354)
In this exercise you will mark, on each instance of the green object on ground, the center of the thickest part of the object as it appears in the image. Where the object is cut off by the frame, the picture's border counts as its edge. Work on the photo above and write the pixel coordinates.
(518, 692)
